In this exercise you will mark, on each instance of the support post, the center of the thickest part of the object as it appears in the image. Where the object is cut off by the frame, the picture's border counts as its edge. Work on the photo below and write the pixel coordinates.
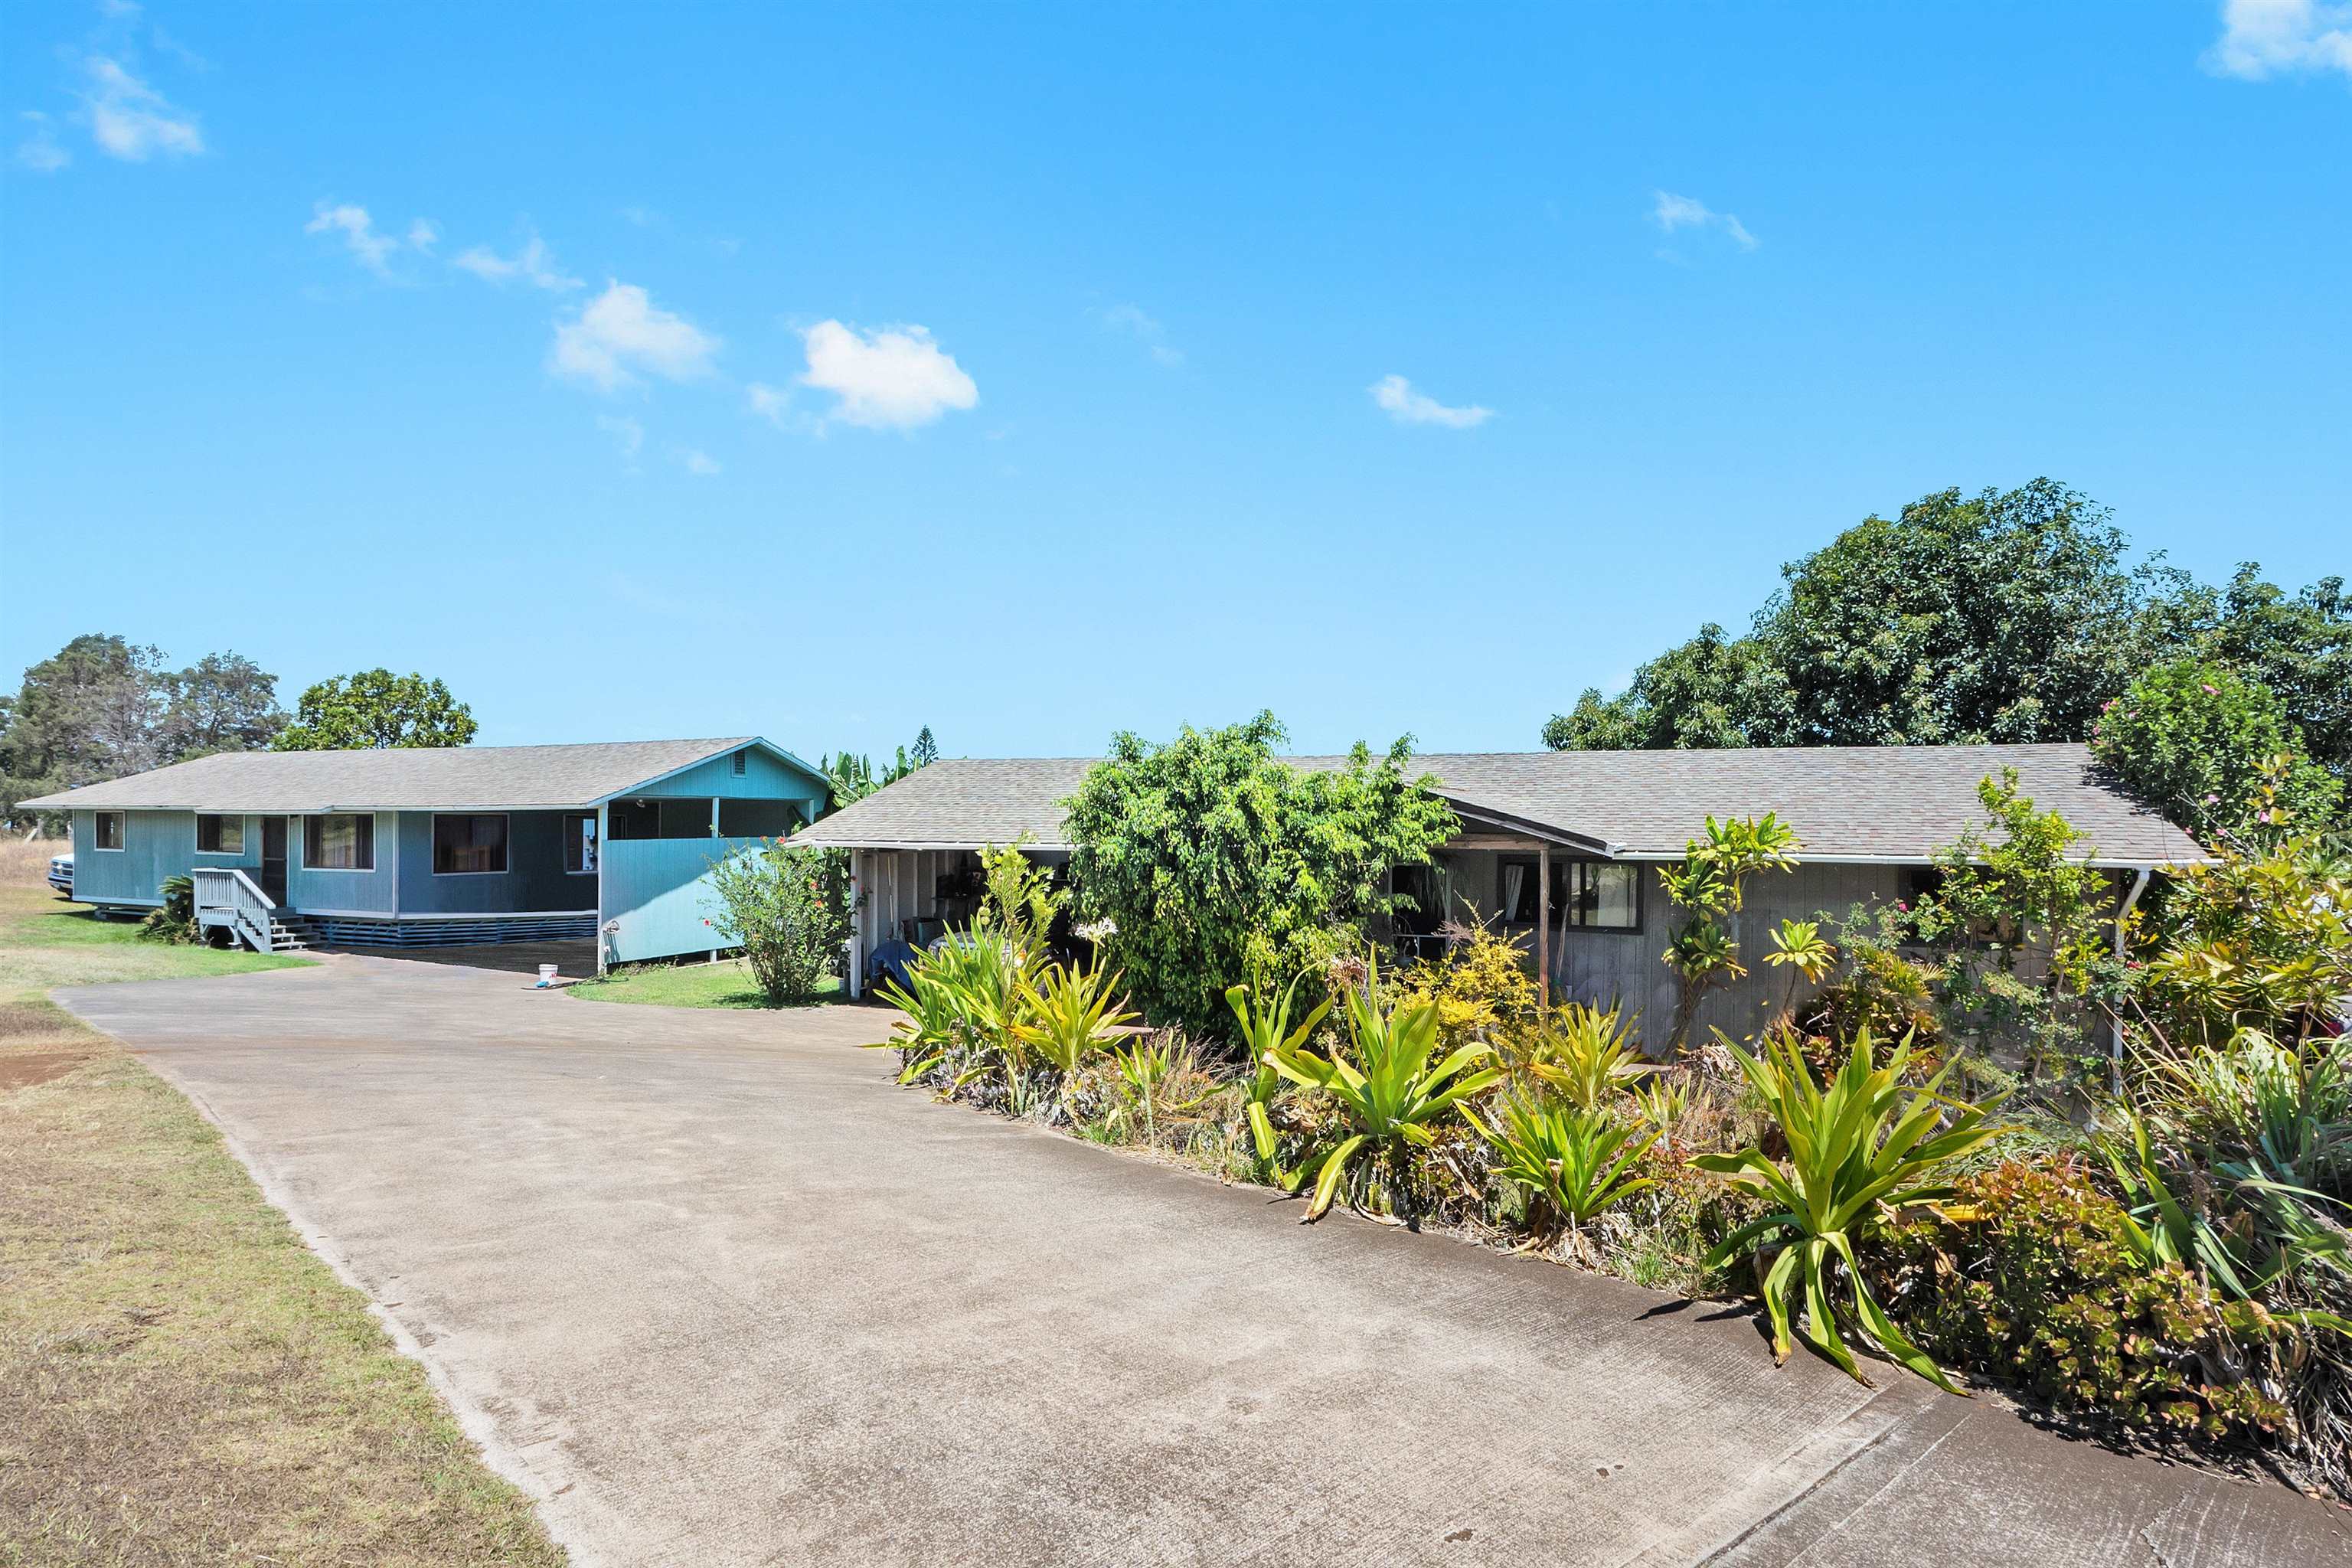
(1543, 926)
(603, 811)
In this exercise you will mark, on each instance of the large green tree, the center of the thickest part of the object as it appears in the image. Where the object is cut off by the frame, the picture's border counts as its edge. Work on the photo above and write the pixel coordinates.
(223, 702)
(376, 709)
(2005, 616)
(1210, 860)
(86, 712)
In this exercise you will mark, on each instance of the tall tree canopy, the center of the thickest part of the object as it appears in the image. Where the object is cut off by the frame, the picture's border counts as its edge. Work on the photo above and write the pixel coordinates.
(1209, 861)
(2008, 616)
(102, 707)
(376, 709)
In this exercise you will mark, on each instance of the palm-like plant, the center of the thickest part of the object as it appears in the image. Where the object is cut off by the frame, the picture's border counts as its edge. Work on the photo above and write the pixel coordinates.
(1799, 947)
(1859, 1147)
(1266, 1030)
(1584, 1055)
(962, 1001)
(1575, 1161)
(1383, 1081)
(1070, 1014)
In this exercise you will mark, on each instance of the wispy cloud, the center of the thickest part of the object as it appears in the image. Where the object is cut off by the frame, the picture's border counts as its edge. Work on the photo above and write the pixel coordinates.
(698, 462)
(532, 264)
(1395, 395)
(129, 119)
(370, 246)
(1672, 212)
(621, 333)
(628, 435)
(424, 234)
(889, 378)
(41, 150)
(773, 403)
(1131, 320)
(2272, 37)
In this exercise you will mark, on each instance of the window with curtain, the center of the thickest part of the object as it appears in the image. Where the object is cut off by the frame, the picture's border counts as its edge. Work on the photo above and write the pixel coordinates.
(1586, 895)
(468, 846)
(106, 830)
(219, 835)
(339, 841)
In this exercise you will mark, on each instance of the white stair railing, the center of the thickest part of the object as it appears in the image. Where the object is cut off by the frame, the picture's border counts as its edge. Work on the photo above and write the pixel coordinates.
(225, 896)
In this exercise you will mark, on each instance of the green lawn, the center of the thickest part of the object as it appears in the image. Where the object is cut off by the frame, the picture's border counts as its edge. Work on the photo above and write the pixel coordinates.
(182, 1381)
(727, 984)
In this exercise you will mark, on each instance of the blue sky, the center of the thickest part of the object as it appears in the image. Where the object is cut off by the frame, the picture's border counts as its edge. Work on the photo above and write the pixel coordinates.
(1035, 372)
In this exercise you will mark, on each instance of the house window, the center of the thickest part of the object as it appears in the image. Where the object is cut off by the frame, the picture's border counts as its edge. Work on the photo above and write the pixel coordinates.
(687, 819)
(756, 818)
(580, 843)
(106, 828)
(339, 841)
(217, 835)
(470, 846)
(1586, 895)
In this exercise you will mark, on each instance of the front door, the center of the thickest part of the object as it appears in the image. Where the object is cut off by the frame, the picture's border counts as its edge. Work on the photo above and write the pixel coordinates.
(273, 856)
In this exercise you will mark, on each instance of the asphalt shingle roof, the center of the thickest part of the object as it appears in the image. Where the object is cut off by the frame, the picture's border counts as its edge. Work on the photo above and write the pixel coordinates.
(421, 779)
(1865, 803)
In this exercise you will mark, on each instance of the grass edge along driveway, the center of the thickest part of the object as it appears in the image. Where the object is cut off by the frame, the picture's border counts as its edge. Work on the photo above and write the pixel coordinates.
(181, 1379)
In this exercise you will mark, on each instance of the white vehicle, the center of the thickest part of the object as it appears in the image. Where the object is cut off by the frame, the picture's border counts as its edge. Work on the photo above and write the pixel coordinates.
(61, 874)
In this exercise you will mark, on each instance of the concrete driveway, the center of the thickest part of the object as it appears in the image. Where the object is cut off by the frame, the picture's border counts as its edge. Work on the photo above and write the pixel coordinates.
(716, 1293)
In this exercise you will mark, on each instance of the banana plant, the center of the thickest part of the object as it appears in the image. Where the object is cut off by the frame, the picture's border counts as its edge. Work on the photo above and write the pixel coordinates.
(1862, 1146)
(1577, 1161)
(1266, 1030)
(1383, 1080)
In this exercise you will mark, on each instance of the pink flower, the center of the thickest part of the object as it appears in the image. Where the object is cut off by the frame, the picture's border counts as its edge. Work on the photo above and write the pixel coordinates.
(2210, 689)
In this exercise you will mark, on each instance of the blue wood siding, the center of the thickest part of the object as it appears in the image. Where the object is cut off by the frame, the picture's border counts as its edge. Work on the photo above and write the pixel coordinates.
(764, 777)
(657, 895)
(155, 845)
(310, 889)
(534, 878)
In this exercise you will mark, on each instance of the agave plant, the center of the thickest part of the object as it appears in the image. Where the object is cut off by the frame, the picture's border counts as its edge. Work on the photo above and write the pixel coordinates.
(1266, 1030)
(1578, 1162)
(1584, 1055)
(1384, 1083)
(1071, 1014)
(1858, 1148)
(1663, 1102)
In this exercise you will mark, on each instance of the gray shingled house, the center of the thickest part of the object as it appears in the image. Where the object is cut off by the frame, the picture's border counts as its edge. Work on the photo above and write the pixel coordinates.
(437, 846)
(1560, 848)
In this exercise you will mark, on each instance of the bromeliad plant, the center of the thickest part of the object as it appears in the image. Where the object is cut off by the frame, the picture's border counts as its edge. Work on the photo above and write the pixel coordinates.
(1266, 1030)
(1859, 1149)
(1584, 1055)
(1383, 1083)
(1575, 1162)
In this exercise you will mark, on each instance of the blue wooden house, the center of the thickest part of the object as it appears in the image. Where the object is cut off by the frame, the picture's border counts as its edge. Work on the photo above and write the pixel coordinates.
(474, 844)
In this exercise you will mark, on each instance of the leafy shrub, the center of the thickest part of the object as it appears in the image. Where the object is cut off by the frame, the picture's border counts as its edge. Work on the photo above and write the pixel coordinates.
(1482, 987)
(1857, 1149)
(2028, 1275)
(1212, 858)
(786, 908)
(1711, 883)
(2191, 736)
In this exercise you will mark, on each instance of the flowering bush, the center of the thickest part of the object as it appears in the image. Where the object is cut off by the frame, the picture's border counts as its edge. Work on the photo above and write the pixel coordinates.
(788, 910)
(2191, 739)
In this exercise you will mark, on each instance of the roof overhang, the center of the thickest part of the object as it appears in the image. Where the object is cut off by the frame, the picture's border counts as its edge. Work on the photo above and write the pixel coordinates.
(1486, 817)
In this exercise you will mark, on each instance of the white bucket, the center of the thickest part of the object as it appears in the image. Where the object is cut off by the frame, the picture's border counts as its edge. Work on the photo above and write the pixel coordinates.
(546, 976)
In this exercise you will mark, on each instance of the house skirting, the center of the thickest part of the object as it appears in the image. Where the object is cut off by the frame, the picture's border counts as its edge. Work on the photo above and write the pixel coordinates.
(451, 931)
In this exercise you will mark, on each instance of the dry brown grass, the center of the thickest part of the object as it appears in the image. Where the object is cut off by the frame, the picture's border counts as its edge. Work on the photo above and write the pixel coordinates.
(180, 1380)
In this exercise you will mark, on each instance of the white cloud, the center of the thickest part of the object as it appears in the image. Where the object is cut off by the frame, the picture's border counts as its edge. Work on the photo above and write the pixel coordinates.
(373, 250)
(2260, 37)
(531, 263)
(1672, 212)
(424, 234)
(623, 330)
(698, 462)
(39, 151)
(890, 378)
(1131, 319)
(1406, 406)
(131, 120)
(770, 403)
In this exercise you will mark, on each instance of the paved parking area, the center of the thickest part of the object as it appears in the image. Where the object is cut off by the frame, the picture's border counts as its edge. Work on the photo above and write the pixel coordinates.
(717, 1293)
